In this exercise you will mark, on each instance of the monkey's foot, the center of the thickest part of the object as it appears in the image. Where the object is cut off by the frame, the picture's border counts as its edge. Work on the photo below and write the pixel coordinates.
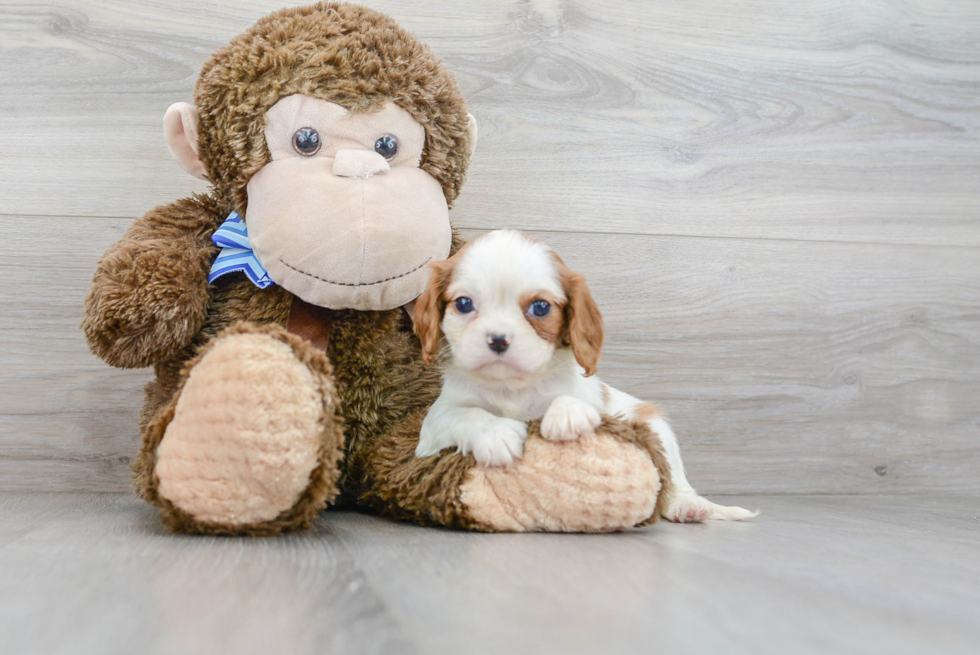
(253, 443)
(611, 480)
(597, 483)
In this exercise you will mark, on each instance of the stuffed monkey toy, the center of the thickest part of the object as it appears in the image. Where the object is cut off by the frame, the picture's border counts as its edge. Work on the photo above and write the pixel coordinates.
(275, 310)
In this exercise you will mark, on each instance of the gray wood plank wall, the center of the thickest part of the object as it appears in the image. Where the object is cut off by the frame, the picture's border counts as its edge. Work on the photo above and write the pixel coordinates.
(776, 204)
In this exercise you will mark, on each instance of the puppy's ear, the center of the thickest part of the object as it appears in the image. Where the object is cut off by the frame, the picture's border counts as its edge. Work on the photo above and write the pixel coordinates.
(583, 321)
(429, 308)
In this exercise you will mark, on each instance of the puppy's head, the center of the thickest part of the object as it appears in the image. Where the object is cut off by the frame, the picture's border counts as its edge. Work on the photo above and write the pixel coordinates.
(505, 302)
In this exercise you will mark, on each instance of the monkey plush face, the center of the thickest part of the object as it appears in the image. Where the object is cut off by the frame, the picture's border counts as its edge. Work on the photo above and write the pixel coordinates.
(350, 187)
(341, 140)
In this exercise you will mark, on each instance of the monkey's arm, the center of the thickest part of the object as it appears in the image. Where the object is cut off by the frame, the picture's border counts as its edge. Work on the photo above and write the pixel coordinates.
(609, 481)
(150, 291)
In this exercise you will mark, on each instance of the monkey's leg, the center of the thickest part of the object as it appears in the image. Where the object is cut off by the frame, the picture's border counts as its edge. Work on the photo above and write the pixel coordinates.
(613, 480)
(250, 443)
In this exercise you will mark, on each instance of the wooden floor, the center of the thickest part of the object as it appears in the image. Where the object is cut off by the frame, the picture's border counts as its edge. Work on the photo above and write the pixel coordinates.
(96, 573)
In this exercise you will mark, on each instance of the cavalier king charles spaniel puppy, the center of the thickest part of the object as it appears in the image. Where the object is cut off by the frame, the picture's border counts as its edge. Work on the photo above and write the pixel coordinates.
(525, 337)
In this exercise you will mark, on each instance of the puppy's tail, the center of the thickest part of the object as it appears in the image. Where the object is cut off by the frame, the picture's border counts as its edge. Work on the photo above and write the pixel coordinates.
(722, 513)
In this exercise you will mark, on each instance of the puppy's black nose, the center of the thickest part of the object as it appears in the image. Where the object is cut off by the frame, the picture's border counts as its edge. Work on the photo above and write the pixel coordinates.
(498, 343)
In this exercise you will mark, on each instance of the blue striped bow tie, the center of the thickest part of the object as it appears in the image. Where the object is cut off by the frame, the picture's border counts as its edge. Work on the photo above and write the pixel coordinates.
(236, 253)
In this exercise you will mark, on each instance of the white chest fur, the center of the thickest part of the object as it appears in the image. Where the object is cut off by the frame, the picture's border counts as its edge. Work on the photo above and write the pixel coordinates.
(529, 399)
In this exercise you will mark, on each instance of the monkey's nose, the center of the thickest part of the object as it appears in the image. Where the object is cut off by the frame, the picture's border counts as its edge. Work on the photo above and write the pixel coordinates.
(359, 163)
(498, 343)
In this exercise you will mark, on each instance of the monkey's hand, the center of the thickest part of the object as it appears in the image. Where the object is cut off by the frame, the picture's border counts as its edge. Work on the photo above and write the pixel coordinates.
(150, 292)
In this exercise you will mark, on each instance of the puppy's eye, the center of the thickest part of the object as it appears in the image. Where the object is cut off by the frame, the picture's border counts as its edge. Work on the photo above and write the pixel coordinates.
(306, 141)
(464, 305)
(540, 308)
(386, 146)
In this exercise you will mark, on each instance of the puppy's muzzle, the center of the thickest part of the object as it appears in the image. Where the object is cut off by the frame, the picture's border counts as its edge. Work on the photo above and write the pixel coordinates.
(497, 343)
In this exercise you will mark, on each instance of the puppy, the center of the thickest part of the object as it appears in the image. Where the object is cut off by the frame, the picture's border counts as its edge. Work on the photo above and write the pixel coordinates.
(525, 337)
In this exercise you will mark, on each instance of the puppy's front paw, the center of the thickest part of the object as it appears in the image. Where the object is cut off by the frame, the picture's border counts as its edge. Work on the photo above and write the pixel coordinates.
(569, 418)
(499, 443)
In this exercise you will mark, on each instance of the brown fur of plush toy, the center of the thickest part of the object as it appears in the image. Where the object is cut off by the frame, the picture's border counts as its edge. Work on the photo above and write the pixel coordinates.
(341, 53)
(151, 304)
(430, 490)
(323, 480)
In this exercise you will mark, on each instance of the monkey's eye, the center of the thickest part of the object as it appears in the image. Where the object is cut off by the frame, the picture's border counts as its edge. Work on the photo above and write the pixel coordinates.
(386, 146)
(306, 141)
(464, 305)
(540, 308)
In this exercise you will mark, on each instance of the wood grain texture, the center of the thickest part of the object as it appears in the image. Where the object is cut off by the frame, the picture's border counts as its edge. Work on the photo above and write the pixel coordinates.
(96, 574)
(66, 419)
(796, 366)
(776, 208)
(786, 366)
(172, 594)
(835, 121)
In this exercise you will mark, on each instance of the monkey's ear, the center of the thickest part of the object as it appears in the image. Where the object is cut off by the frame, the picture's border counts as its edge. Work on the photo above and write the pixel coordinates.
(180, 128)
(471, 128)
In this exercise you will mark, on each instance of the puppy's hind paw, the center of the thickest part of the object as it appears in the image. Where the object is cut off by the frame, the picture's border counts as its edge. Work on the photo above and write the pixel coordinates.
(688, 509)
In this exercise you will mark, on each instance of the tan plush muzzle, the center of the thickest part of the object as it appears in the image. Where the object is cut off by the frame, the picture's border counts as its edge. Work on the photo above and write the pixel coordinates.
(347, 243)
(340, 225)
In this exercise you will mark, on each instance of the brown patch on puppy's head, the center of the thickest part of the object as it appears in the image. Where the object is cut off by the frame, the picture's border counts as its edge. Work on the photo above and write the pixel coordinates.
(550, 327)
